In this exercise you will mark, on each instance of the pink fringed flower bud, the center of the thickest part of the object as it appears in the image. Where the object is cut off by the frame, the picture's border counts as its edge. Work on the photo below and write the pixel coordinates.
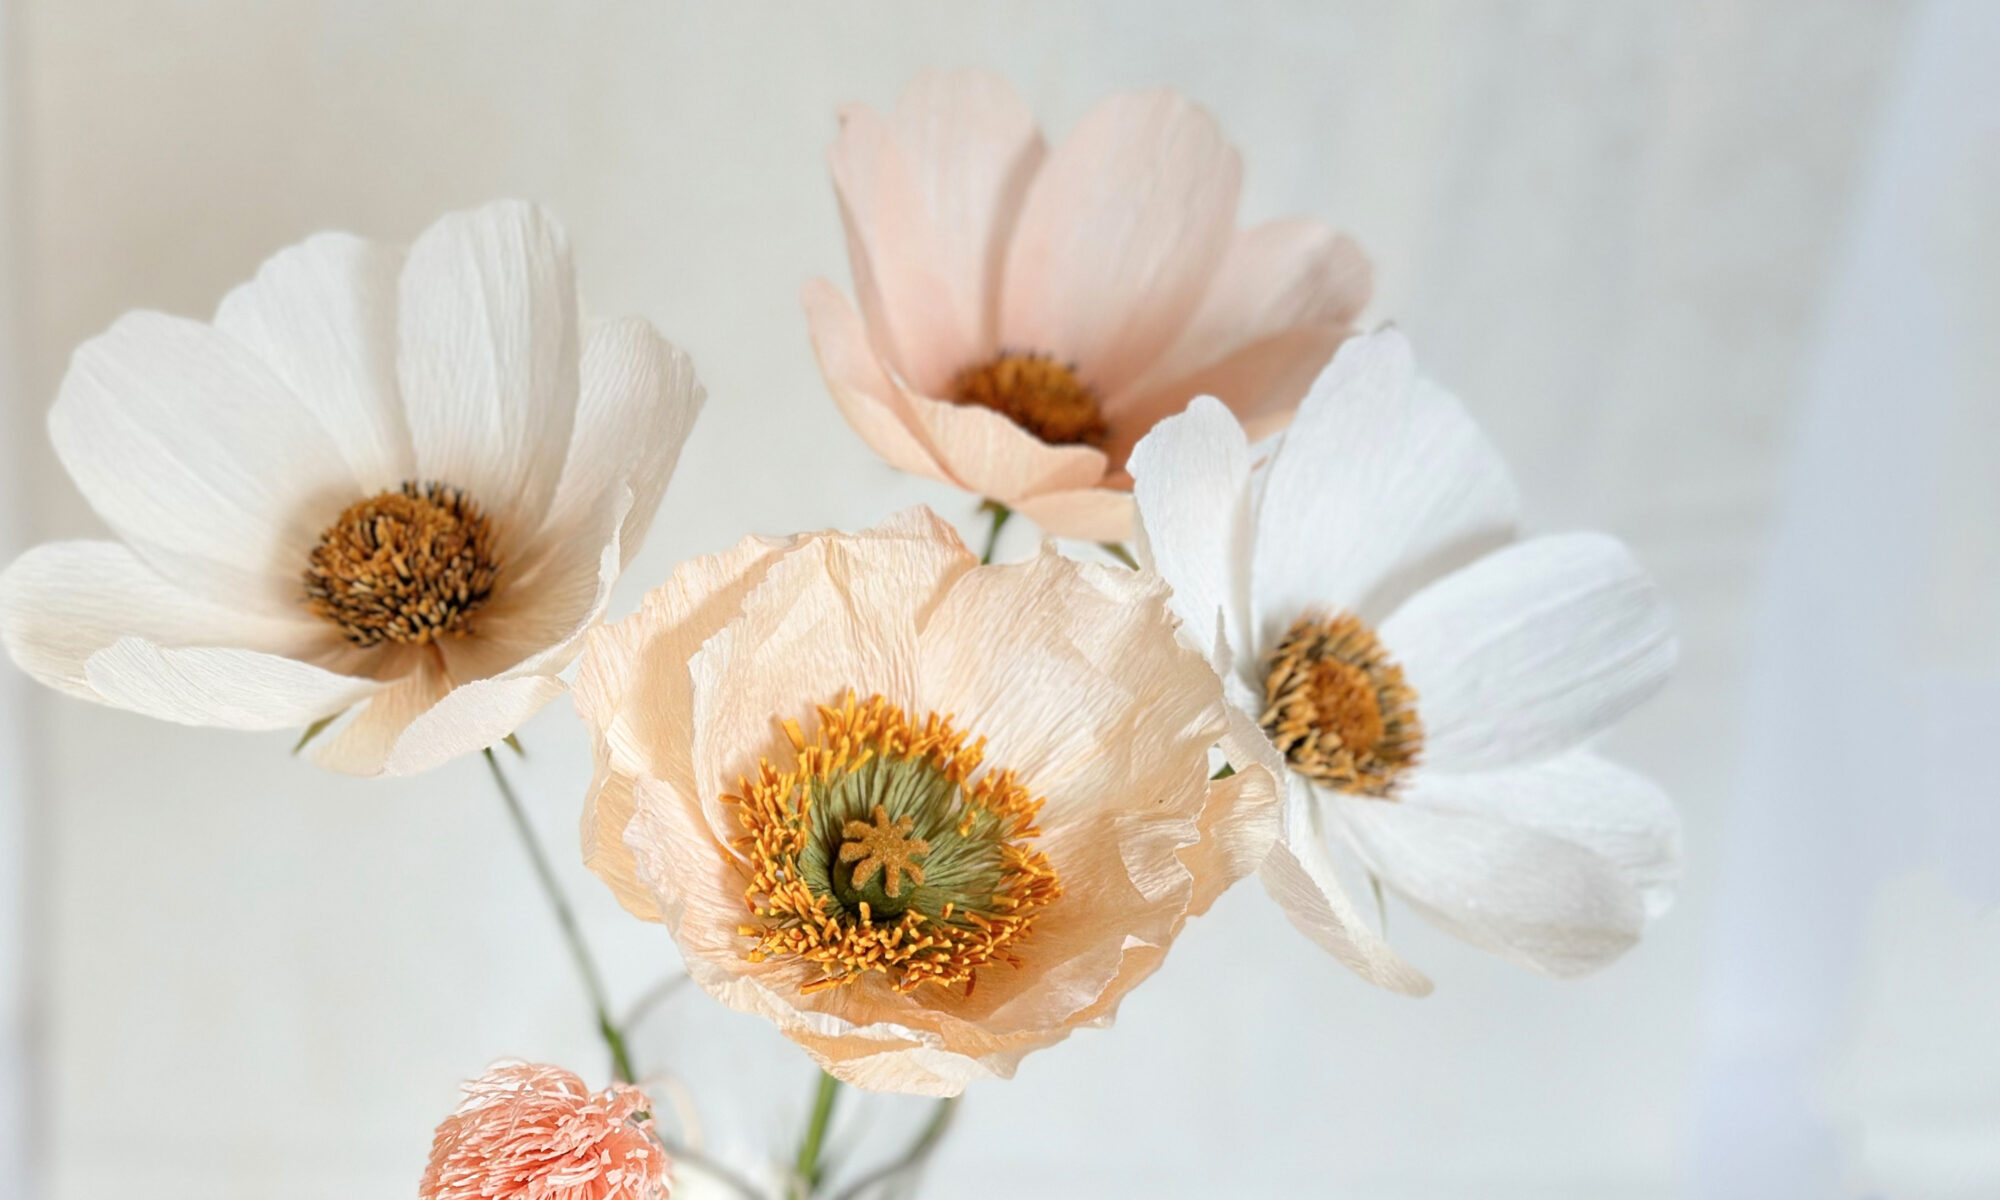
(531, 1132)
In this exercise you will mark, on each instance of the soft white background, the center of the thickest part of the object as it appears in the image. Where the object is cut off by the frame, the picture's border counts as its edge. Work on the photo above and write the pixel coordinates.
(1723, 278)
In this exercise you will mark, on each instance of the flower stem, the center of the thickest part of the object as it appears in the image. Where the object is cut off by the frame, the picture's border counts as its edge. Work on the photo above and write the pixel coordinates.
(809, 1170)
(1000, 515)
(586, 967)
(914, 1157)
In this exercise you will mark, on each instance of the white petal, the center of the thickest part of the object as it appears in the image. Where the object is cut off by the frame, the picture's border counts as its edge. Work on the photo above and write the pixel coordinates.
(1537, 899)
(362, 745)
(470, 717)
(1300, 876)
(200, 458)
(487, 358)
(639, 400)
(1381, 484)
(62, 602)
(220, 686)
(322, 316)
(1531, 650)
(1191, 478)
(1122, 230)
(1580, 798)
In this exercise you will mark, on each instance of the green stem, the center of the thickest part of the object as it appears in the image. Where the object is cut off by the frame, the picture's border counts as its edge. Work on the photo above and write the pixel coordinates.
(586, 967)
(809, 1169)
(1118, 551)
(1000, 515)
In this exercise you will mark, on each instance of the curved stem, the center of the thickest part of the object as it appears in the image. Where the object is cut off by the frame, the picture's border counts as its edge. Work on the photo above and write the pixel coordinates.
(809, 1170)
(915, 1156)
(1000, 515)
(586, 967)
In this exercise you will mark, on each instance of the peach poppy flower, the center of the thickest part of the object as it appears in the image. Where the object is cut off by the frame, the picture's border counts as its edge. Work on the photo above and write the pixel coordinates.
(1026, 315)
(532, 1132)
(924, 815)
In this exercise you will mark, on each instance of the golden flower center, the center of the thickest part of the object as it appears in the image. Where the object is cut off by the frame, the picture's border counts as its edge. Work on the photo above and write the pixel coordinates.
(409, 566)
(1336, 704)
(875, 852)
(1039, 394)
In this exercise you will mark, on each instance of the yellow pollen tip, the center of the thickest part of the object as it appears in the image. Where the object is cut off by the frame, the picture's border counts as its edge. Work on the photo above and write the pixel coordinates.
(1338, 707)
(407, 566)
(1041, 395)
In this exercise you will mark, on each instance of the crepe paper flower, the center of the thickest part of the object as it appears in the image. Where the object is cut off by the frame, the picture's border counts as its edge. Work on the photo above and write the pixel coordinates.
(1026, 315)
(1428, 682)
(531, 1132)
(395, 482)
(924, 815)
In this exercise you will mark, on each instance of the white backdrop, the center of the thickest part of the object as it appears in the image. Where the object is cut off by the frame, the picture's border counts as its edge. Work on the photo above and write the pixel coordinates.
(1636, 238)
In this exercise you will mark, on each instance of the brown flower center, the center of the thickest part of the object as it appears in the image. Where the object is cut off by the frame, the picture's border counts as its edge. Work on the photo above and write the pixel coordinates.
(1336, 704)
(407, 566)
(1037, 393)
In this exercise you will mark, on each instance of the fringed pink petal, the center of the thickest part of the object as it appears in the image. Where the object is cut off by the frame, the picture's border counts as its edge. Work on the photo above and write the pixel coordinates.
(531, 1132)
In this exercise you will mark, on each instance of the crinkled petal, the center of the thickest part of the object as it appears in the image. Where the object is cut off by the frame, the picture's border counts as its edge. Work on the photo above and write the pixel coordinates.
(1300, 877)
(1577, 797)
(62, 602)
(1285, 296)
(220, 686)
(1191, 479)
(200, 458)
(638, 402)
(1531, 650)
(361, 745)
(322, 316)
(1121, 232)
(1381, 484)
(470, 717)
(928, 197)
(487, 358)
(1532, 897)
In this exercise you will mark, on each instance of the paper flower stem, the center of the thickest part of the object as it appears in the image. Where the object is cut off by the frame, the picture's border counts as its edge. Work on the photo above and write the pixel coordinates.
(809, 1170)
(586, 967)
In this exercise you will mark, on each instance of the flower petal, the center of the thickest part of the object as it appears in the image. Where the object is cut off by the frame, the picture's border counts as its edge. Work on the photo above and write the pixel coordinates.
(322, 317)
(1086, 514)
(1300, 877)
(928, 198)
(1537, 899)
(1581, 798)
(1531, 650)
(220, 686)
(1121, 232)
(1191, 479)
(870, 400)
(990, 456)
(828, 617)
(200, 458)
(361, 745)
(472, 716)
(62, 602)
(639, 399)
(487, 358)
(1381, 483)
(1285, 296)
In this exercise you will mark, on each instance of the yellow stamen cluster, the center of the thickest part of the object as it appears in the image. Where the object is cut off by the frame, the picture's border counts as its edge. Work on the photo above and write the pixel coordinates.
(1338, 707)
(407, 566)
(975, 835)
(1041, 395)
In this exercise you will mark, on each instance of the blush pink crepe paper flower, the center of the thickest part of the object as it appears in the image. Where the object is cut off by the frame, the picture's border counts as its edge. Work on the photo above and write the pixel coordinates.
(531, 1132)
(1085, 292)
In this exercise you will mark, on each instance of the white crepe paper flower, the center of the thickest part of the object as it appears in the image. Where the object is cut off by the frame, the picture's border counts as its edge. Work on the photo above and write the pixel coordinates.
(395, 482)
(1431, 680)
